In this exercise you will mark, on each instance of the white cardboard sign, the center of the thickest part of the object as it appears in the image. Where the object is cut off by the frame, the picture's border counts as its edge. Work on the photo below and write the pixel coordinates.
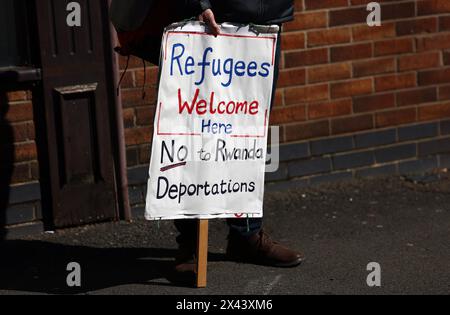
(211, 123)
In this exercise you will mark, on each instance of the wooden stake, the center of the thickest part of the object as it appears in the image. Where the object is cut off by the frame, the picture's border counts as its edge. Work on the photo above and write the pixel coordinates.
(202, 253)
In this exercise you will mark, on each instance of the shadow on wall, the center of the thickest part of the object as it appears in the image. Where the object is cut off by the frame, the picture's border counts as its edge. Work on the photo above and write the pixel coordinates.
(6, 161)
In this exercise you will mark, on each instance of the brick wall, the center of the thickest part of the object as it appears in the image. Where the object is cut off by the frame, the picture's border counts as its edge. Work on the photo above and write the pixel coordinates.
(352, 100)
(19, 190)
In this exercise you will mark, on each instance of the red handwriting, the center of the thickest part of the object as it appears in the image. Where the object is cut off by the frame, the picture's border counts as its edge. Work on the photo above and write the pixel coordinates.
(202, 106)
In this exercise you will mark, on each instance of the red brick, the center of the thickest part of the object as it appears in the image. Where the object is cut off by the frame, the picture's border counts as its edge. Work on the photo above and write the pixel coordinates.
(444, 92)
(395, 117)
(398, 10)
(132, 97)
(365, 32)
(279, 98)
(419, 61)
(444, 23)
(292, 77)
(323, 4)
(145, 116)
(348, 16)
(351, 124)
(431, 112)
(17, 96)
(394, 46)
(133, 64)
(373, 102)
(436, 42)
(373, 66)
(446, 58)
(329, 72)
(351, 88)
(352, 52)
(288, 114)
(144, 154)
(127, 80)
(293, 41)
(151, 77)
(132, 156)
(20, 112)
(128, 117)
(394, 82)
(425, 7)
(307, 20)
(298, 5)
(417, 96)
(418, 26)
(34, 169)
(305, 58)
(306, 94)
(137, 136)
(361, 2)
(25, 152)
(307, 130)
(329, 109)
(328, 37)
(23, 132)
(21, 173)
(434, 76)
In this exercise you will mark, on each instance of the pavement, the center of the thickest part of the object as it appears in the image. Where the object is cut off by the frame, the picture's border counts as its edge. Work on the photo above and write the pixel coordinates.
(401, 224)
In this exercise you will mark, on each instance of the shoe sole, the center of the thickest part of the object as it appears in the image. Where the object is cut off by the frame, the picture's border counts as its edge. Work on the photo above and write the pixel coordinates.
(291, 264)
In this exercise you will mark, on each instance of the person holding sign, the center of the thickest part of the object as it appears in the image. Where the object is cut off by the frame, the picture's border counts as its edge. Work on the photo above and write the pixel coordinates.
(247, 240)
(140, 25)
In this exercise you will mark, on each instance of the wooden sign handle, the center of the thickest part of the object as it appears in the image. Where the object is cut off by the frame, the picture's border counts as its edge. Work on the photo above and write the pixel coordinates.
(202, 253)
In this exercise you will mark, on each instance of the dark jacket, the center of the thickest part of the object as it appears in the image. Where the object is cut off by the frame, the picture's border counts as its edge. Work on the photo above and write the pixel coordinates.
(247, 11)
(140, 23)
(129, 15)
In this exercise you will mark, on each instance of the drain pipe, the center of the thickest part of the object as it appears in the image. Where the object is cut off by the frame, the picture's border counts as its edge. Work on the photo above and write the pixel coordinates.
(126, 212)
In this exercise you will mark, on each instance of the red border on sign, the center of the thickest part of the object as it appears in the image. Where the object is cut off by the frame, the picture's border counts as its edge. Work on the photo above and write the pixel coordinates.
(224, 35)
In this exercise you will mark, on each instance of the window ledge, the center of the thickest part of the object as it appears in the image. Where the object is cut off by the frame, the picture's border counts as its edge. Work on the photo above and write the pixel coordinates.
(19, 74)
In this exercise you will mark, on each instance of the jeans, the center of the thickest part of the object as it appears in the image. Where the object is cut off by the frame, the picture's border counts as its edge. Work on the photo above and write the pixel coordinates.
(238, 227)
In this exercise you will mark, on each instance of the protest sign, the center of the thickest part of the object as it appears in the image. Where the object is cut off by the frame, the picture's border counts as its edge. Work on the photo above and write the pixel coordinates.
(211, 123)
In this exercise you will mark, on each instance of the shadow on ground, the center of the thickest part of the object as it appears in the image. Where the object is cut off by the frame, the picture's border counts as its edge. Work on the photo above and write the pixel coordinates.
(39, 266)
(400, 223)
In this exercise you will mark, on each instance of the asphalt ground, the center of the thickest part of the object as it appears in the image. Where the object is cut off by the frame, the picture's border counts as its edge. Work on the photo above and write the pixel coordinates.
(342, 227)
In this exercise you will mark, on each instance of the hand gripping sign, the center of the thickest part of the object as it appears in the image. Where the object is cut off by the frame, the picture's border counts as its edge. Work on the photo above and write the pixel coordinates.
(211, 123)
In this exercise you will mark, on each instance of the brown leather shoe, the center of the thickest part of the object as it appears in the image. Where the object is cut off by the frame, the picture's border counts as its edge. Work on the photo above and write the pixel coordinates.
(261, 250)
(184, 270)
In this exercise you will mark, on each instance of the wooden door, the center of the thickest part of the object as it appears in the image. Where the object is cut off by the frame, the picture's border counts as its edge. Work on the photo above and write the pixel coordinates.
(76, 86)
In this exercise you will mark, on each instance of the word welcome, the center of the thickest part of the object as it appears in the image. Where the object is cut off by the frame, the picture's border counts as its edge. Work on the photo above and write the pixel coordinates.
(203, 106)
(188, 66)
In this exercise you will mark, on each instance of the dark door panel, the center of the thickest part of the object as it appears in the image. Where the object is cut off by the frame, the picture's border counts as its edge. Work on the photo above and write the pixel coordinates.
(76, 83)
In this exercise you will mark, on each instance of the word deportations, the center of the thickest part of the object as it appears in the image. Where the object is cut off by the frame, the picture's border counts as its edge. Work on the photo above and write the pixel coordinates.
(184, 65)
(180, 190)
